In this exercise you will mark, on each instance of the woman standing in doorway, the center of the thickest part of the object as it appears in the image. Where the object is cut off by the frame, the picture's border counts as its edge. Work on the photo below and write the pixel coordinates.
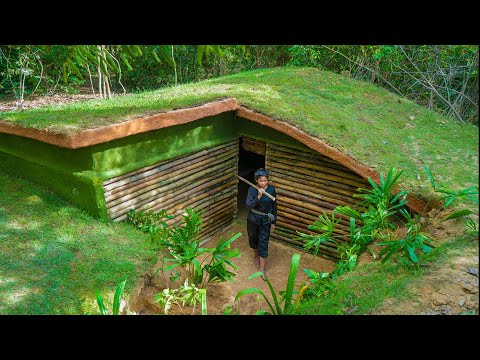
(261, 217)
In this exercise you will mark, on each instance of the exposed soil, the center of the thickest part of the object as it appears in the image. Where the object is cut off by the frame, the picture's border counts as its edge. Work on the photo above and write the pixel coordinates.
(220, 295)
(450, 288)
(9, 104)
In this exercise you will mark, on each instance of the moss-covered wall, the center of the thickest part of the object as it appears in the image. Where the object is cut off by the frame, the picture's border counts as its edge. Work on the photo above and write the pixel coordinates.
(61, 170)
(78, 174)
(120, 156)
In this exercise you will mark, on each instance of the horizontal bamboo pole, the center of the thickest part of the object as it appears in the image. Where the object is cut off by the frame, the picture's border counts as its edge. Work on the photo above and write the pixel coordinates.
(205, 209)
(223, 193)
(327, 254)
(325, 247)
(274, 156)
(303, 219)
(163, 199)
(296, 196)
(254, 146)
(286, 225)
(180, 181)
(166, 164)
(298, 209)
(210, 196)
(313, 207)
(295, 225)
(314, 155)
(226, 208)
(172, 162)
(156, 194)
(307, 191)
(216, 222)
(310, 218)
(319, 188)
(208, 236)
(187, 167)
(308, 157)
(219, 217)
(205, 194)
(344, 189)
(311, 173)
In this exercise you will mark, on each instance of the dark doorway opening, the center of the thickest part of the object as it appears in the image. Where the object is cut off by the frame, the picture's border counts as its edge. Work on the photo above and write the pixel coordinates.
(248, 162)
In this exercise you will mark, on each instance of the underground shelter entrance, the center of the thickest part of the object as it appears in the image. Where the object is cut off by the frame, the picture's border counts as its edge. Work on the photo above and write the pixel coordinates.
(251, 156)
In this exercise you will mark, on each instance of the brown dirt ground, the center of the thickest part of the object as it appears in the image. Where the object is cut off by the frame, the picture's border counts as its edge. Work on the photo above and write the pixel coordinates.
(220, 295)
(450, 288)
(9, 104)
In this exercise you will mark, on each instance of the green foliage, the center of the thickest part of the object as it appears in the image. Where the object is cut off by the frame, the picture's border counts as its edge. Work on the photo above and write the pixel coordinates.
(413, 240)
(117, 299)
(441, 77)
(364, 291)
(204, 265)
(185, 295)
(150, 222)
(457, 214)
(449, 195)
(58, 255)
(318, 284)
(326, 226)
(381, 204)
(275, 308)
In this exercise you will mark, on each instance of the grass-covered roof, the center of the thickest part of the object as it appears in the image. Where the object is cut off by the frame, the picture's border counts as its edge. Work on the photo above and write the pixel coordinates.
(368, 123)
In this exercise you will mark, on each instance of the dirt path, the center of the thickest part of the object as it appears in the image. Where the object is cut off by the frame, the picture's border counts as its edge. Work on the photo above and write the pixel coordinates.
(222, 294)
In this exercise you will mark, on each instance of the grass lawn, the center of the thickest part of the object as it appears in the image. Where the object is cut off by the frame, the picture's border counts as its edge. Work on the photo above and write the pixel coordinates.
(369, 123)
(53, 257)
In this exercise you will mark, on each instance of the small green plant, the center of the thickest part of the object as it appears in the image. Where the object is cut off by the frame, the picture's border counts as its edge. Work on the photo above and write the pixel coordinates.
(471, 226)
(183, 245)
(184, 248)
(317, 285)
(150, 222)
(413, 240)
(380, 204)
(275, 308)
(185, 294)
(117, 299)
(449, 195)
(326, 226)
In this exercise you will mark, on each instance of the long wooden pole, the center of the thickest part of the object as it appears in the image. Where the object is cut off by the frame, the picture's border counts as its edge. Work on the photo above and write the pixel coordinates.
(255, 187)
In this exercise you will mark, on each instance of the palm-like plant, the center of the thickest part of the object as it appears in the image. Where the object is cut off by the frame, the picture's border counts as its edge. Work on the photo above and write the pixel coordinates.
(325, 226)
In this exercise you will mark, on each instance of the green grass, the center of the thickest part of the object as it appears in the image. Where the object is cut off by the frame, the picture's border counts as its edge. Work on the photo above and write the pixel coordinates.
(53, 256)
(370, 284)
(362, 120)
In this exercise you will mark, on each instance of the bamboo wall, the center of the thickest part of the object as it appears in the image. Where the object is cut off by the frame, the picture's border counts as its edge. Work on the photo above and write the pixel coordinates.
(203, 181)
(256, 146)
(308, 184)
